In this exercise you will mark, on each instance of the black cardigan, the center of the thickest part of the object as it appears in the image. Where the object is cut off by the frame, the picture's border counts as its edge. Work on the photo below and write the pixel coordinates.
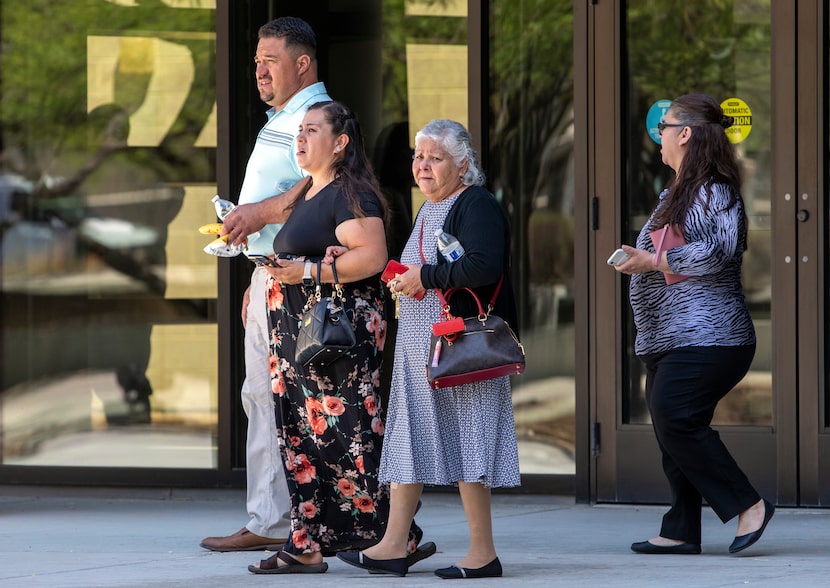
(478, 221)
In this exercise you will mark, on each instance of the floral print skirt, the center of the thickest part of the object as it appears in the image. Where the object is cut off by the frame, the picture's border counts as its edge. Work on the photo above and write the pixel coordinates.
(330, 424)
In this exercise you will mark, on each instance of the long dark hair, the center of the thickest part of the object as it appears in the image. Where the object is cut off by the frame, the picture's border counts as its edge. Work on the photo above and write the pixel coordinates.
(709, 159)
(352, 172)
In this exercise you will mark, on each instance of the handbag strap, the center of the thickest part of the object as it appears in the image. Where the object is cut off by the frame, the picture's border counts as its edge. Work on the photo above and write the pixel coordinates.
(333, 272)
(445, 306)
(337, 290)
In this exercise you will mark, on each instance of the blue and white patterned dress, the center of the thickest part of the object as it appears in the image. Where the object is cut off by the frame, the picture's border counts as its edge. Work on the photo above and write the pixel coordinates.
(440, 437)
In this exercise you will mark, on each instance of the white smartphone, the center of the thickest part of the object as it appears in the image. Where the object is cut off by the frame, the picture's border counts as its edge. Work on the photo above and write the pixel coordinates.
(618, 257)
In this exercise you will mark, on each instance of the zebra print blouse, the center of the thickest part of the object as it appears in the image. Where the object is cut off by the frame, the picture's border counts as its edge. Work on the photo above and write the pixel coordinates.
(708, 309)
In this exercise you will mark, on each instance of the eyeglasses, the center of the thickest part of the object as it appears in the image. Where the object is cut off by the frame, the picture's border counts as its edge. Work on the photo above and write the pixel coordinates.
(662, 126)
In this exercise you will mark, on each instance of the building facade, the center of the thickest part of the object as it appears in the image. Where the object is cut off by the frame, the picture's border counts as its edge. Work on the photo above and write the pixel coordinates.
(121, 347)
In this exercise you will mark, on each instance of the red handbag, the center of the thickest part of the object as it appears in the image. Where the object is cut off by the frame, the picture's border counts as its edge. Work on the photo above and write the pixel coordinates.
(464, 350)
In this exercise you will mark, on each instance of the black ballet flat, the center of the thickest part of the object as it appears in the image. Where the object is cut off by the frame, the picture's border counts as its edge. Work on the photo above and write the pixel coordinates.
(744, 541)
(680, 549)
(396, 566)
(424, 551)
(491, 570)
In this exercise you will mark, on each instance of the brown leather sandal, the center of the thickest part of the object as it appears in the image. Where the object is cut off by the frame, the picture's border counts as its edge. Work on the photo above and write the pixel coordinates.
(292, 565)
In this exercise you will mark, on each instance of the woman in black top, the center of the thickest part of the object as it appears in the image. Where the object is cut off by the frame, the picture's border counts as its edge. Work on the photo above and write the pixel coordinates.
(329, 420)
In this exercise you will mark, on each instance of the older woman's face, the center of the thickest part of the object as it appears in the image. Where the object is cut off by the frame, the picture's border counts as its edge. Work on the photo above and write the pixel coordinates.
(435, 171)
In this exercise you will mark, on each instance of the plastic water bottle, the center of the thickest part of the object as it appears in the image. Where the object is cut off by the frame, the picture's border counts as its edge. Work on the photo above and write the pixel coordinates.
(224, 208)
(449, 246)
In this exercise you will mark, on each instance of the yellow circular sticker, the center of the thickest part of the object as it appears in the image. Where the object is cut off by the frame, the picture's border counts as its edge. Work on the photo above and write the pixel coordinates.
(742, 126)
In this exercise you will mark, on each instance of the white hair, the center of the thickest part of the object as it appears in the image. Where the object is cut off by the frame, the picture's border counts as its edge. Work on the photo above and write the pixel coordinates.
(455, 140)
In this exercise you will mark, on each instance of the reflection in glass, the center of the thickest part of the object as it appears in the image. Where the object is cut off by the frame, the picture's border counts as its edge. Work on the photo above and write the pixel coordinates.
(721, 49)
(423, 71)
(530, 167)
(423, 63)
(108, 166)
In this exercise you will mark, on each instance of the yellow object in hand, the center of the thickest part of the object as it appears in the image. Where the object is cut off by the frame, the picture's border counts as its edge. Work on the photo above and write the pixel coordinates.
(212, 229)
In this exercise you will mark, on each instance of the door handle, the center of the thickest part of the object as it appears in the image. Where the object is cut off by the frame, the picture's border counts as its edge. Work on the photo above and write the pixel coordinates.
(802, 215)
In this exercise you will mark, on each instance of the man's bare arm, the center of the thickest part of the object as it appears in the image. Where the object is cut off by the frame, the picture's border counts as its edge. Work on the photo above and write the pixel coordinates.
(250, 218)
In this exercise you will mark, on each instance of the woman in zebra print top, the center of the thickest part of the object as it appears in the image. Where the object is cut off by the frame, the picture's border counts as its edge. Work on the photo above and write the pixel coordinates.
(695, 336)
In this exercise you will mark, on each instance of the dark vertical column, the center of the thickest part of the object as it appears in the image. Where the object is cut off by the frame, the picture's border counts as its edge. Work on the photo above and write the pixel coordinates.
(241, 113)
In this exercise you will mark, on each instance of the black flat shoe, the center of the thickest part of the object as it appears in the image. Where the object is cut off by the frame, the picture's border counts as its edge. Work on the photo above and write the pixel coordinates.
(396, 566)
(491, 570)
(680, 549)
(744, 541)
(424, 551)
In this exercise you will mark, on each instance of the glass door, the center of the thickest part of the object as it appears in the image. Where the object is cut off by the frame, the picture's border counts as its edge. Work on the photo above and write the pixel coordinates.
(721, 49)
(743, 53)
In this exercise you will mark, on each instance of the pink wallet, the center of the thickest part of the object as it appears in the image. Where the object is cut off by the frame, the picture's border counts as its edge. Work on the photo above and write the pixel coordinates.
(669, 237)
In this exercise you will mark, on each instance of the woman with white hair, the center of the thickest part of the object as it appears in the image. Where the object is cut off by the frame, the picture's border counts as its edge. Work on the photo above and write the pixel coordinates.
(462, 435)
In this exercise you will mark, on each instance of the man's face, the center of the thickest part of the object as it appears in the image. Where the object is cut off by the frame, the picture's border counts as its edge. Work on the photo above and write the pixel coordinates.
(277, 73)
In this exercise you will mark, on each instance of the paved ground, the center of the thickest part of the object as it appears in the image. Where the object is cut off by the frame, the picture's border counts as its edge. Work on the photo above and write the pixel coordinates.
(70, 537)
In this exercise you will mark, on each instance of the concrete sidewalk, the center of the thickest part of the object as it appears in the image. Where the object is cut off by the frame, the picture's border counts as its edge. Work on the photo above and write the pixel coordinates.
(70, 537)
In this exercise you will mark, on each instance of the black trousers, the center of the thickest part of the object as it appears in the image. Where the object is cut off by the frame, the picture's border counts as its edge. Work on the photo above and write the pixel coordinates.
(683, 387)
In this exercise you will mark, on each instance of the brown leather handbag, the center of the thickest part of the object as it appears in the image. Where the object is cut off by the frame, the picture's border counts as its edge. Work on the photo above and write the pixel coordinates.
(464, 350)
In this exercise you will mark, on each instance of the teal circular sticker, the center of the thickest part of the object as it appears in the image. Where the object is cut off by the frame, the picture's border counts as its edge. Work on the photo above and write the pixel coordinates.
(655, 115)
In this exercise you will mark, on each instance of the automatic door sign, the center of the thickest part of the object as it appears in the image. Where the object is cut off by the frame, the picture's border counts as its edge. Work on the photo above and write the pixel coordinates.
(655, 115)
(742, 126)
